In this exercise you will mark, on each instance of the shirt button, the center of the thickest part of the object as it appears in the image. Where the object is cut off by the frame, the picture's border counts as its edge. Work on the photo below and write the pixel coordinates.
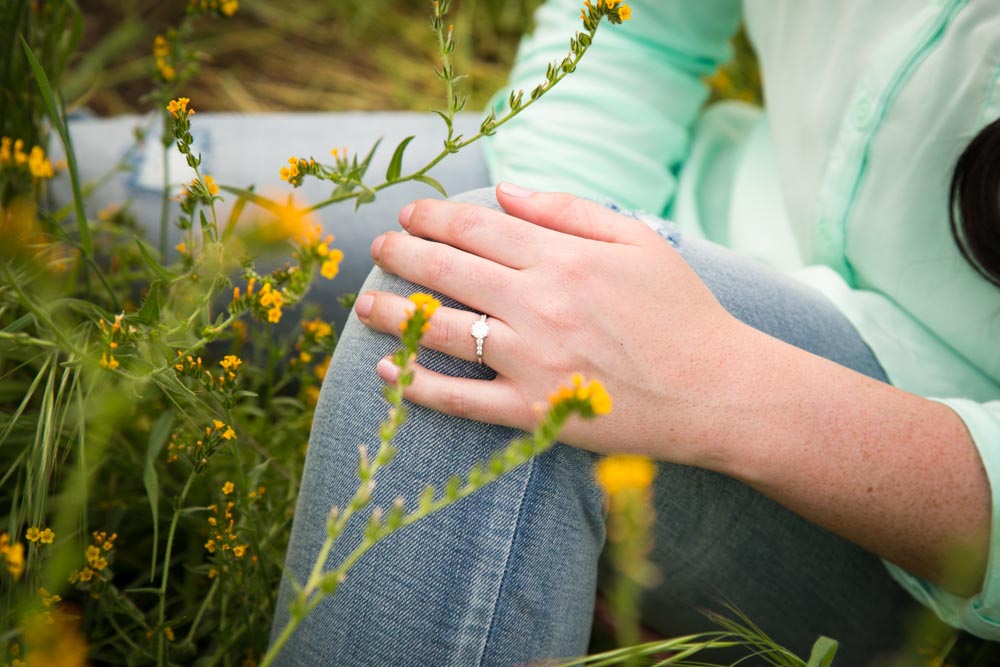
(864, 112)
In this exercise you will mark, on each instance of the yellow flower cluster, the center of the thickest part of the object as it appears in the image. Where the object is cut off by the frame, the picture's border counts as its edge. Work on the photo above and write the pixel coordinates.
(192, 367)
(13, 556)
(111, 333)
(223, 541)
(271, 300)
(96, 556)
(12, 155)
(331, 260)
(48, 599)
(224, 7)
(201, 190)
(615, 10)
(179, 108)
(425, 307)
(624, 472)
(316, 333)
(296, 169)
(204, 446)
(161, 54)
(591, 396)
(52, 639)
(35, 535)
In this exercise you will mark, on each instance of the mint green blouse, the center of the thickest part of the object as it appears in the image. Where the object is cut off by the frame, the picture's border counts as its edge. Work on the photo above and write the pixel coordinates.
(841, 181)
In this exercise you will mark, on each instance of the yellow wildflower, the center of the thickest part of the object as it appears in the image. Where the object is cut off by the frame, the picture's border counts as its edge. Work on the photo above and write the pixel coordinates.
(46, 536)
(425, 302)
(231, 362)
(592, 394)
(229, 434)
(14, 555)
(228, 487)
(93, 553)
(320, 370)
(331, 265)
(213, 572)
(274, 315)
(161, 47)
(179, 107)
(109, 361)
(229, 7)
(32, 534)
(624, 472)
(240, 550)
(210, 546)
(39, 166)
(210, 185)
(625, 12)
(312, 395)
(169, 634)
(86, 574)
(48, 599)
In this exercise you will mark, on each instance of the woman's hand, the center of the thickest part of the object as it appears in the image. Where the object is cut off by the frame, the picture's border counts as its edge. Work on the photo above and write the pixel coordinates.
(568, 286)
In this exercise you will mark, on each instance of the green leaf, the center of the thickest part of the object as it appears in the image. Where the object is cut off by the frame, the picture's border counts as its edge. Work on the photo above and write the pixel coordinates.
(366, 196)
(157, 438)
(433, 183)
(396, 163)
(363, 167)
(822, 652)
(250, 195)
(150, 311)
(444, 117)
(152, 263)
(55, 115)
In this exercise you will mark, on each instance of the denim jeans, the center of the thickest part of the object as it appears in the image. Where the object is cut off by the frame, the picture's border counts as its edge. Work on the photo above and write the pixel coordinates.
(508, 575)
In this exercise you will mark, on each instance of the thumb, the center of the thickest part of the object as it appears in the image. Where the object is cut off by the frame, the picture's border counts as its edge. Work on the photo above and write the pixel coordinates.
(569, 214)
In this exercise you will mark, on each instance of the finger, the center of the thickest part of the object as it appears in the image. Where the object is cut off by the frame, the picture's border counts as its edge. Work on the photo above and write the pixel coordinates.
(450, 329)
(478, 230)
(570, 214)
(481, 284)
(490, 401)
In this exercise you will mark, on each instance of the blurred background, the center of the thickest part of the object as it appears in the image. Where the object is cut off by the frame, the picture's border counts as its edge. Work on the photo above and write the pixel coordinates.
(317, 55)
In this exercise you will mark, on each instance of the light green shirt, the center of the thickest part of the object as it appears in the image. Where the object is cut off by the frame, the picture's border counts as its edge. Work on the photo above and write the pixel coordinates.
(842, 181)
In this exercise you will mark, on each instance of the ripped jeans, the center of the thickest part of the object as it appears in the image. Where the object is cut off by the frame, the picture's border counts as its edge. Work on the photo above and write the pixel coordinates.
(508, 575)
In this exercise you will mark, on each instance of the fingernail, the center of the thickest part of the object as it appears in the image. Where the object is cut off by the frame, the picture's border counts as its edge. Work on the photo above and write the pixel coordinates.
(515, 190)
(377, 246)
(404, 215)
(387, 370)
(363, 306)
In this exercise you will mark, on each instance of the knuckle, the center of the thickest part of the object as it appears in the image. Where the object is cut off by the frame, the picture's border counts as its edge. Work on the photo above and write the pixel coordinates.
(455, 403)
(442, 333)
(464, 222)
(440, 265)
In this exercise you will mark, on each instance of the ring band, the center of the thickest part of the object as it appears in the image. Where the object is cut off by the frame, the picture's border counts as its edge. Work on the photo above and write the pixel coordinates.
(480, 330)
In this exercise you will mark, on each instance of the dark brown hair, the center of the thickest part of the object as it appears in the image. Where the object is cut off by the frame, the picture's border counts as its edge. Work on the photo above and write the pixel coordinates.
(974, 203)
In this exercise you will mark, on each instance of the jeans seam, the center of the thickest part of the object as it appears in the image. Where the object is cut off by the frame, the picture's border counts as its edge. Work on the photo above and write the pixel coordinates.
(506, 564)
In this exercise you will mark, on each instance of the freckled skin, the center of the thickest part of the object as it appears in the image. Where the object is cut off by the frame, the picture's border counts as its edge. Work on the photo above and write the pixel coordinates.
(573, 287)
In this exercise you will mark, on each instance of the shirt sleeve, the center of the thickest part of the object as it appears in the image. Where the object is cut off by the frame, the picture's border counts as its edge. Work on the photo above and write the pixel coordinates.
(619, 126)
(980, 614)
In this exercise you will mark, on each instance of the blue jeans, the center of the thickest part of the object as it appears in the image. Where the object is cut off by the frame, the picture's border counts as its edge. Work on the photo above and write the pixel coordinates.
(508, 575)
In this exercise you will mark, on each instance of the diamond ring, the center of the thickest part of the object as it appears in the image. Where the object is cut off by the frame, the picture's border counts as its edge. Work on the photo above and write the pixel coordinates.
(480, 330)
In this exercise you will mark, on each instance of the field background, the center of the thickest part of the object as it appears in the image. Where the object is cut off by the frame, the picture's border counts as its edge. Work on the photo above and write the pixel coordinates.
(318, 55)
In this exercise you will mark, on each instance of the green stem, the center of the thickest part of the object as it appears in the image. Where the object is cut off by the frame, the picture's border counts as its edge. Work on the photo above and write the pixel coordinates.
(454, 148)
(165, 196)
(201, 611)
(178, 504)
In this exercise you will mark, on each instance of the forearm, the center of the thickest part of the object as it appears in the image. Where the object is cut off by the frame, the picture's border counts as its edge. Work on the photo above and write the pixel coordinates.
(894, 472)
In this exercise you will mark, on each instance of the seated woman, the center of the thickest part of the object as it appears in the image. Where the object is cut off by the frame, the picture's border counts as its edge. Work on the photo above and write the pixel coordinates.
(781, 382)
